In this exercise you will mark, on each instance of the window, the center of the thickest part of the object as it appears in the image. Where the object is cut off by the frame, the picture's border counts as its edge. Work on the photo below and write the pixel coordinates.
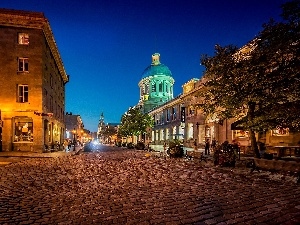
(147, 88)
(23, 39)
(23, 93)
(23, 129)
(190, 131)
(51, 81)
(240, 134)
(23, 64)
(207, 131)
(160, 87)
(280, 132)
(173, 113)
(153, 87)
(168, 115)
(161, 135)
(51, 103)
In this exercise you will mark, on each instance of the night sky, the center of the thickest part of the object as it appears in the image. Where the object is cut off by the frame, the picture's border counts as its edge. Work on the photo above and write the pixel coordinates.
(105, 45)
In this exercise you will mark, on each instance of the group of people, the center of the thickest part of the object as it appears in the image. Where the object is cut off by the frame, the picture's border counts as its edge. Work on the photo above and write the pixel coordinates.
(207, 146)
(67, 145)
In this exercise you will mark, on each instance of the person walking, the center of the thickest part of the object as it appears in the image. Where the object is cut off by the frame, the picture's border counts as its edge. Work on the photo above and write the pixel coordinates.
(195, 145)
(207, 145)
(213, 144)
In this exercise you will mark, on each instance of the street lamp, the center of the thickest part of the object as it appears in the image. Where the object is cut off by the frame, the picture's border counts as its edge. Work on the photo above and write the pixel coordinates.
(74, 137)
(197, 125)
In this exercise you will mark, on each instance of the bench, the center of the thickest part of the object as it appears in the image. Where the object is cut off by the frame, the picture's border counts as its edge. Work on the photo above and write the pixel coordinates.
(195, 155)
(277, 166)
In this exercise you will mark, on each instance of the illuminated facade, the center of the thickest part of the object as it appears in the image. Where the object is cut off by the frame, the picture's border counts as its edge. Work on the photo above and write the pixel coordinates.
(156, 85)
(32, 82)
(75, 131)
(101, 126)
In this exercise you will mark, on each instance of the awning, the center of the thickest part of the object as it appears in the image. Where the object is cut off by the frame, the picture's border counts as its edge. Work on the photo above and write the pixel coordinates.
(237, 125)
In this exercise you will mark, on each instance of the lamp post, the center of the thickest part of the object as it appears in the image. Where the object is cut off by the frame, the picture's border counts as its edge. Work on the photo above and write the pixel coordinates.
(0, 132)
(197, 125)
(74, 137)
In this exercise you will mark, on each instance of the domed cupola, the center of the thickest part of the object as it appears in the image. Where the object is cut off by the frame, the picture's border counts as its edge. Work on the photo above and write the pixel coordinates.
(156, 68)
(156, 85)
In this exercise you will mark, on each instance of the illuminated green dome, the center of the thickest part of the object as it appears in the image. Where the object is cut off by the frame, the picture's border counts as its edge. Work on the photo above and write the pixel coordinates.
(156, 85)
(160, 69)
(156, 68)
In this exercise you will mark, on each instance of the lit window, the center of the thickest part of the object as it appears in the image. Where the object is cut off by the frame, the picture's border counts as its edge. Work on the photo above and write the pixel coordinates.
(207, 131)
(22, 93)
(23, 129)
(280, 132)
(153, 87)
(240, 134)
(23, 39)
(23, 64)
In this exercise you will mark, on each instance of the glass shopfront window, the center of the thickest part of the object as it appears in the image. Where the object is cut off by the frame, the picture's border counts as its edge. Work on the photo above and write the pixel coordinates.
(280, 132)
(23, 130)
(240, 134)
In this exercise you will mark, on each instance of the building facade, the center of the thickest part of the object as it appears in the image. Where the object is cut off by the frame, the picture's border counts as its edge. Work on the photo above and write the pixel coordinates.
(32, 82)
(192, 124)
(75, 131)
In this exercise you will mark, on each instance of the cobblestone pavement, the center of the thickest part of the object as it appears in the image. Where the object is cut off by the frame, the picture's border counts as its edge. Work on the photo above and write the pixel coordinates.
(118, 186)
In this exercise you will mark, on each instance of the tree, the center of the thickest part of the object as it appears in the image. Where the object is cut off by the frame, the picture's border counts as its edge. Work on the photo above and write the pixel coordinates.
(134, 122)
(258, 84)
(108, 132)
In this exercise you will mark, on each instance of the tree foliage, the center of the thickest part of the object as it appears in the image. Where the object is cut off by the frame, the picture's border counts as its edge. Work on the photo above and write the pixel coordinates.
(260, 82)
(108, 131)
(134, 122)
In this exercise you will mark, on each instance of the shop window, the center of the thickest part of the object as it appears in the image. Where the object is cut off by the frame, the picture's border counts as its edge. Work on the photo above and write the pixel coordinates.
(207, 131)
(280, 132)
(23, 130)
(191, 111)
(162, 132)
(190, 131)
(240, 134)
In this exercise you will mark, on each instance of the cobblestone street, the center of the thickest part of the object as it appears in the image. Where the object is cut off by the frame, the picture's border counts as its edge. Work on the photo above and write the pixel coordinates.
(132, 187)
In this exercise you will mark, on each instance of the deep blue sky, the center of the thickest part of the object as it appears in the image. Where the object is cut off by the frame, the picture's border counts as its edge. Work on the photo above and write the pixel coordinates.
(105, 45)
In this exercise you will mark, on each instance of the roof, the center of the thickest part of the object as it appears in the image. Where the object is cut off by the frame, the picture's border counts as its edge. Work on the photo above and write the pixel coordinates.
(159, 69)
(36, 20)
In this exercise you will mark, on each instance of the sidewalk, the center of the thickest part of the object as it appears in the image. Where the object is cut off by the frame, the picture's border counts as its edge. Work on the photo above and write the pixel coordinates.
(38, 154)
(160, 148)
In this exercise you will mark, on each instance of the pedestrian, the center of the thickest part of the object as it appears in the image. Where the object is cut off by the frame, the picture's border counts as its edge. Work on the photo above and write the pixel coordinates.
(69, 145)
(165, 147)
(207, 145)
(236, 148)
(213, 144)
(195, 145)
(65, 144)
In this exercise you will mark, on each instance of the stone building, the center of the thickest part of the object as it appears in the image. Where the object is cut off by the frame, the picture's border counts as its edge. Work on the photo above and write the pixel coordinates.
(75, 131)
(32, 82)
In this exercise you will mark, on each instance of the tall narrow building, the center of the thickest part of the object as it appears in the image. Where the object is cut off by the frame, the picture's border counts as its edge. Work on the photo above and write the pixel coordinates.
(101, 125)
(156, 85)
